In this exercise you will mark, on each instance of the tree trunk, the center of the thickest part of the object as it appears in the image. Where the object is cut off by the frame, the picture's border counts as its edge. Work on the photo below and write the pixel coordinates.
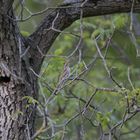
(16, 82)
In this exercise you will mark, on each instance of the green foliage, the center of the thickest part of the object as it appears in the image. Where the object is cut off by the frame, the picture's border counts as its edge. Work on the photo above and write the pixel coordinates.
(111, 105)
(30, 100)
(25, 33)
(120, 21)
(119, 49)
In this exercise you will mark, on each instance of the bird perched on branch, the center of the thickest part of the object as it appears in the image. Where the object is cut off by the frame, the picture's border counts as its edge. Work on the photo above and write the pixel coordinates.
(63, 77)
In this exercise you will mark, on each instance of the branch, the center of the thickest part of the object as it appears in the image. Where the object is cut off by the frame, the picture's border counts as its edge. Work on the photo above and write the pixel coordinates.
(63, 16)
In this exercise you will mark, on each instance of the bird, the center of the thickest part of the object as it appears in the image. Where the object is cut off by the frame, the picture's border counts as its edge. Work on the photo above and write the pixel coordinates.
(63, 77)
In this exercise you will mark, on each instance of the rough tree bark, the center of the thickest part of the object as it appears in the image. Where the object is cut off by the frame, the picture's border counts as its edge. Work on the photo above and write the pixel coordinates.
(20, 59)
(16, 82)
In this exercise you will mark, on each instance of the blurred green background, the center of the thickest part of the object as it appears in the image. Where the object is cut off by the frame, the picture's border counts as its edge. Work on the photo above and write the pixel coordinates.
(121, 50)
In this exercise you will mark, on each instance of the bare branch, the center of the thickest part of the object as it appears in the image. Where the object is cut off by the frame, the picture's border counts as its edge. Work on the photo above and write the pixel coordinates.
(64, 15)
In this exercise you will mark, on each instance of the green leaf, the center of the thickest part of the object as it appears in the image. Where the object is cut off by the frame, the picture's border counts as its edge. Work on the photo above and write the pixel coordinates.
(25, 33)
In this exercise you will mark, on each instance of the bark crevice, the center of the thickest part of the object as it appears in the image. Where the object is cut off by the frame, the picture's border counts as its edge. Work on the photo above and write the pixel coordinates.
(4, 79)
